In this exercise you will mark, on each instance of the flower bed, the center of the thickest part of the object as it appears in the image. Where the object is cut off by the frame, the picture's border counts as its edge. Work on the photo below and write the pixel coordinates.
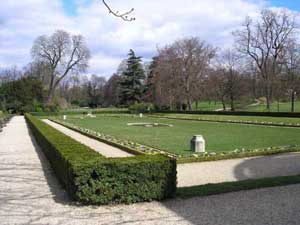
(262, 123)
(238, 153)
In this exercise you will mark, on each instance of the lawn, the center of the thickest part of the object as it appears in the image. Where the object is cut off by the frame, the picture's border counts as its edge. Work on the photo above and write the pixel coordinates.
(283, 107)
(234, 118)
(208, 106)
(220, 137)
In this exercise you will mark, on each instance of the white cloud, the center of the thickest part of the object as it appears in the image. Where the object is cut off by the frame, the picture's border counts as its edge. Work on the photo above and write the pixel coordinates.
(158, 23)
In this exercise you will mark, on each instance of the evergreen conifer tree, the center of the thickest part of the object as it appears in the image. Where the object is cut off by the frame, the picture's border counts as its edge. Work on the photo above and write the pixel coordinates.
(132, 81)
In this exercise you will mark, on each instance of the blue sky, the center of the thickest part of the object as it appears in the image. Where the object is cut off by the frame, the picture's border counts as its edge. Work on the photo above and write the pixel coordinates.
(109, 38)
(291, 4)
(70, 7)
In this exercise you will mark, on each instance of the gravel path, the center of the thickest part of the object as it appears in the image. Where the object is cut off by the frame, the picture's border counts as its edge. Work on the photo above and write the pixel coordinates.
(30, 194)
(102, 148)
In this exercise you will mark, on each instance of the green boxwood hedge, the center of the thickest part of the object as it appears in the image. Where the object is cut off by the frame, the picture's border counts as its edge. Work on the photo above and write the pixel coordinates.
(85, 112)
(235, 113)
(91, 178)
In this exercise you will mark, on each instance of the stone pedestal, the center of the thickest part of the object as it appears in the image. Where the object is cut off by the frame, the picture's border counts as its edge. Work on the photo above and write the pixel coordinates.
(198, 144)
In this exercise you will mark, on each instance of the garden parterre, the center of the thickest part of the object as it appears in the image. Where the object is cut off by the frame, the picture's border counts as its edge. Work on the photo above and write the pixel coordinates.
(175, 140)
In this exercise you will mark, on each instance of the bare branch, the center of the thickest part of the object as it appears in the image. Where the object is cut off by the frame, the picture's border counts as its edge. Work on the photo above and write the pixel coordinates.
(124, 16)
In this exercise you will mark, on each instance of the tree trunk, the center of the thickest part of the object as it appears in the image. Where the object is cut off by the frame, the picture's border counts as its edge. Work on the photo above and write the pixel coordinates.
(224, 104)
(50, 96)
(197, 105)
(51, 89)
(268, 96)
(232, 103)
(293, 101)
(190, 104)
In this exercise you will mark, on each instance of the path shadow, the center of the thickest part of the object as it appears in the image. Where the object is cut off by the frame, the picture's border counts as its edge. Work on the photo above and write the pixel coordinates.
(277, 205)
(269, 166)
(58, 192)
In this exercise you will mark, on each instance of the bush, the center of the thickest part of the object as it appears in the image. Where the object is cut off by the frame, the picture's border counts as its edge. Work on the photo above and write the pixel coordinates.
(92, 179)
(141, 108)
(80, 112)
(235, 113)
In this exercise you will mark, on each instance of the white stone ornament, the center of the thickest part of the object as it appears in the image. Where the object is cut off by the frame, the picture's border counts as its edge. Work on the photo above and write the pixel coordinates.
(198, 144)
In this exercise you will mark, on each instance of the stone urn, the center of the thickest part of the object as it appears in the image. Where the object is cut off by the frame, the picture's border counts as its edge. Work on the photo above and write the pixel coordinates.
(198, 144)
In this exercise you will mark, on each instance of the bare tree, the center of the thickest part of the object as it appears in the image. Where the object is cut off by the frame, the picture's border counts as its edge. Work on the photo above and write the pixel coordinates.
(10, 74)
(112, 91)
(186, 61)
(291, 70)
(124, 16)
(230, 67)
(194, 59)
(95, 89)
(217, 83)
(63, 53)
(264, 42)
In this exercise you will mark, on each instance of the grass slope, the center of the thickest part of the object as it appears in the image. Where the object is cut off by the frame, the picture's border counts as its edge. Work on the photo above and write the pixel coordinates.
(283, 107)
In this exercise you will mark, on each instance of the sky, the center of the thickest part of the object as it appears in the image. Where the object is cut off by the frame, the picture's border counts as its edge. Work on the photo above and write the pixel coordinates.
(157, 23)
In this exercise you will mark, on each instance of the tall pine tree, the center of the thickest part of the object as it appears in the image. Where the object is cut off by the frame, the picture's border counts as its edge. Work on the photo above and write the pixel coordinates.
(132, 81)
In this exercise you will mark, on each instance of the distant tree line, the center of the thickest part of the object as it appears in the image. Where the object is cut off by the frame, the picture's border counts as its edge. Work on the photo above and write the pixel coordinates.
(262, 66)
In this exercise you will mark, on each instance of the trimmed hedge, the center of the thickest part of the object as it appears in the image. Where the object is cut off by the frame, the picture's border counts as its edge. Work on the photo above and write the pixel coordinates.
(236, 113)
(92, 179)
(80, 112)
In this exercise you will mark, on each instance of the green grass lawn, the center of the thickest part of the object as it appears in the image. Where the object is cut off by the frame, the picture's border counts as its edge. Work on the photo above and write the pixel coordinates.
(283, 107)
(235, 118)
(220, 137)
(208, 106)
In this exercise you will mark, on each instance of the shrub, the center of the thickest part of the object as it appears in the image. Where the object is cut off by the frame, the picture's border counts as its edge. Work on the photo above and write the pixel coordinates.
(235, 113)
(92, 179)
(141, 108)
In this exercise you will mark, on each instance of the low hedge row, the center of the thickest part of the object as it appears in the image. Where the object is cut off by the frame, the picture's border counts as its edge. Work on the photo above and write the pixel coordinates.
(80, 112)
(236, 113)
(92, 179)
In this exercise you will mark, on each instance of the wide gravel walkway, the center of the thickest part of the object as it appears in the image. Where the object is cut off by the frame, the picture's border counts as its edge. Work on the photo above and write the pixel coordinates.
(30, 194)
(104, 149)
